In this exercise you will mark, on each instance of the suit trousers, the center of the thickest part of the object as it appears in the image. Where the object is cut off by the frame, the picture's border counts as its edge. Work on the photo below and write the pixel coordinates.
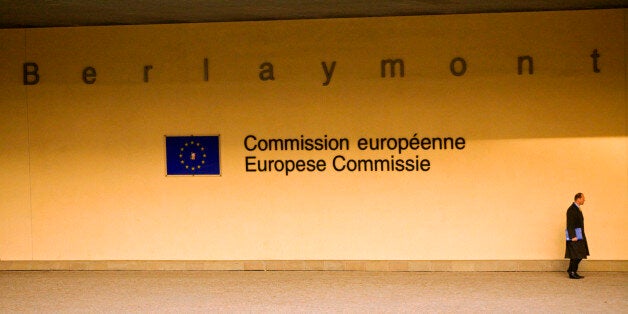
(573, 265)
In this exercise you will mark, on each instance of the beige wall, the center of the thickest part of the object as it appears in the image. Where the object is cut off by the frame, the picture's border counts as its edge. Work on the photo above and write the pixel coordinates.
(15, 210)
(84, 165)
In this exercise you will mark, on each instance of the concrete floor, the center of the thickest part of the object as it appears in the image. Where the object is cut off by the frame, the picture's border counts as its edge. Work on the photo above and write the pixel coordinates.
(200, 291)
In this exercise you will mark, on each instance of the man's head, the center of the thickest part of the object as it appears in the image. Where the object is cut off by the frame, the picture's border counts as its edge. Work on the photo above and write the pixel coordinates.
(579, 199)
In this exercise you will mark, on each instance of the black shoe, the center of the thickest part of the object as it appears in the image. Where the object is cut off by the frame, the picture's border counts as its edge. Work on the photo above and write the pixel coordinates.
(580, 277)
(573, 275)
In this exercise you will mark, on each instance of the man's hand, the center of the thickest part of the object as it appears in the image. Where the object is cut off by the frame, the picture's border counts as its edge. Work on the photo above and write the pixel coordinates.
(574, 239)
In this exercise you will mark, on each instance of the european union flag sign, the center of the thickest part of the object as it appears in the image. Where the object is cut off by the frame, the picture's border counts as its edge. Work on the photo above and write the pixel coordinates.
(192, 155)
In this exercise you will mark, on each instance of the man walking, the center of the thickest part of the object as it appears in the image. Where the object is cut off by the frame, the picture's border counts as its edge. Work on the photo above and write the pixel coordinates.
(576, 246)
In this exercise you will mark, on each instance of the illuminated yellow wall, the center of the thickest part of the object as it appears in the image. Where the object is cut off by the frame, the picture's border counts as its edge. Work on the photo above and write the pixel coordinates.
(83, 165)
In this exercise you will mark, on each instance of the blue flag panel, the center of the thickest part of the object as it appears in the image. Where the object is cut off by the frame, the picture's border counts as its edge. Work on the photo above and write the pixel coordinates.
(192, 155)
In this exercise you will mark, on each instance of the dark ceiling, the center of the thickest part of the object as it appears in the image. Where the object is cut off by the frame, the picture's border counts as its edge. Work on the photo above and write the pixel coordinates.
(60, 13)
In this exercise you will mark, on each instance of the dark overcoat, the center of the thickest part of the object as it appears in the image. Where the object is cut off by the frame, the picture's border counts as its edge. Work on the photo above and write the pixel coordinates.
(580, 248)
